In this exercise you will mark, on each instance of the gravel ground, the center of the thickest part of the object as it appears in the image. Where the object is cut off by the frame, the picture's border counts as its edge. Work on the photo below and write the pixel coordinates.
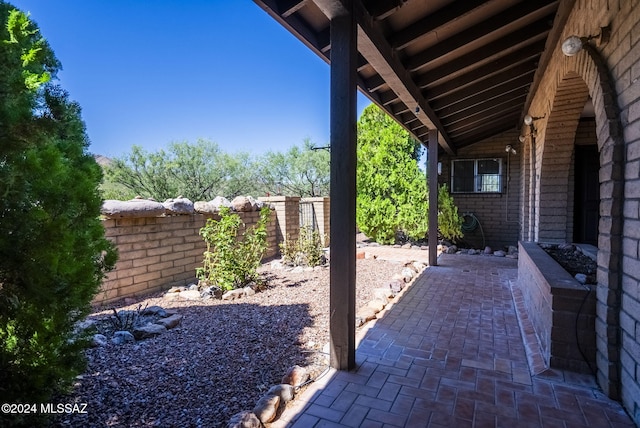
(222, 357)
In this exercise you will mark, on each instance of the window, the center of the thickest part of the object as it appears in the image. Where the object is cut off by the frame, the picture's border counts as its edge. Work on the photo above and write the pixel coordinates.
(476, 175)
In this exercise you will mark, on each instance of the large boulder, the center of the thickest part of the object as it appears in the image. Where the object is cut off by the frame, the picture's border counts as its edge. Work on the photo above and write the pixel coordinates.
(242, 204)
(149, 330)
(219, 202)
(266, 408)
(133, 208)
(178, 205)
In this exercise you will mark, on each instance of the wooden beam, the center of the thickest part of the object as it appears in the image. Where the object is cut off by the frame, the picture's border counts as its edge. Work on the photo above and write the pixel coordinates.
(289, 7)
(433, 197)
(432, 22)
(450, 105)
(344, 57)
(523, 55)
(381, 9)
(525, 36)
(496, 22)
(373, 45)
(484, 82)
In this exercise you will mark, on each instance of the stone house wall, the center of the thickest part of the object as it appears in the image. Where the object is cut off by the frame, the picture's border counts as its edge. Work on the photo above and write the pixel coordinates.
(608, 74)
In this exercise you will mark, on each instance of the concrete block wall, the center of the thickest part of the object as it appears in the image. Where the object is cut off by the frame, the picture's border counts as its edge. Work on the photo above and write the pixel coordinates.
(156, 253)
(498, 213)
(287, 214)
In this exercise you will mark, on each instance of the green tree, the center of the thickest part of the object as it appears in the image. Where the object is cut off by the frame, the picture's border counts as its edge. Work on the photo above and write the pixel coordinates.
(301, 171)
(392, 194)
(53, 254)
(199, 171)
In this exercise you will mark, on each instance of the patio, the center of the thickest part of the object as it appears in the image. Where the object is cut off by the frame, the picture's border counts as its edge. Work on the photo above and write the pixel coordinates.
(450, 353)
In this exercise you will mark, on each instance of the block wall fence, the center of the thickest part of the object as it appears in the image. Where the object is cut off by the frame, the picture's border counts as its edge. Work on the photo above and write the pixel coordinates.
(157, 253)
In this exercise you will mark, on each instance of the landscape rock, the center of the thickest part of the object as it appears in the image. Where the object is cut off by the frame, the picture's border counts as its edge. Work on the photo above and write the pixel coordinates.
(234, 294)
(133, 208)
(148, 330)
(419, 266)
(365, 314)
(376, 305)
(266, 408)
(396, 285)
(255, 204)
(244, 419)
(295, 376)
(219, 202)
(170, 322)
(178, 206)
(204, 207)
(242, 204)
(285, 391)
(384, 294)
(189, 295)
(154, 310)
(121, 337)
(499, 253)
(407, 274)
(99, 340)
(488, 250)
(248, 291)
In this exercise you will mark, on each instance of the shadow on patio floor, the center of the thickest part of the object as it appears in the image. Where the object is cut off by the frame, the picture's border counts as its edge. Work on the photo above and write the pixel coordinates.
(449, 353)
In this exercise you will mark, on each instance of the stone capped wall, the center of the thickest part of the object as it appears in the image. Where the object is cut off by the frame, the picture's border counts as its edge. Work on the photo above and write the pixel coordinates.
(156, 253)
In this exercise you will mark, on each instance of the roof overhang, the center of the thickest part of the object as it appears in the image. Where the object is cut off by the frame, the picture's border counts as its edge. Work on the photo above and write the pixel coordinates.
(466, 68)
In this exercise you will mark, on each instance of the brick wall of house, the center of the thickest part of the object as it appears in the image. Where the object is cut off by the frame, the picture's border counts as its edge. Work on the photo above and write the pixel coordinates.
(609, 74)
(497, 213)
(156, 253)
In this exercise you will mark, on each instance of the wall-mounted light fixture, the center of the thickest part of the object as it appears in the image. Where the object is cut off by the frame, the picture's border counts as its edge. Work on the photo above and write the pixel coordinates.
(509, 149)
(573, 44)
(528, 119)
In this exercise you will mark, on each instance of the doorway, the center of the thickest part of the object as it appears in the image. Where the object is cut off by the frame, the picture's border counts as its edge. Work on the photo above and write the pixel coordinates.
(586, 195)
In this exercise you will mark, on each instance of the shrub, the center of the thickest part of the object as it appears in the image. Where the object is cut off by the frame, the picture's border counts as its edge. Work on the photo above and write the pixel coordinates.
(449, 221)
(230, 262)
(53, 254)
(305, 251)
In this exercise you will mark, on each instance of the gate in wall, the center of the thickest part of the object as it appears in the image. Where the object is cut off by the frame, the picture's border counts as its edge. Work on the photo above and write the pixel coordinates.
(308, 217)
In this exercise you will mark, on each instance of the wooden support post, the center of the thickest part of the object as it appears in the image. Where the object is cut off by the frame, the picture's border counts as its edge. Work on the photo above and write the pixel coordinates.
(433, 197)
(343, 191)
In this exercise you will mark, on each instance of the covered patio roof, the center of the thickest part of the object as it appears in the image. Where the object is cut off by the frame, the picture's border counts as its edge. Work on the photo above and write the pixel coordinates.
(467, 69)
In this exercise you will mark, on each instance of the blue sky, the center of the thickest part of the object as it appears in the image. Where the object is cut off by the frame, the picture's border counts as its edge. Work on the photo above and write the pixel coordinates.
(149, 72)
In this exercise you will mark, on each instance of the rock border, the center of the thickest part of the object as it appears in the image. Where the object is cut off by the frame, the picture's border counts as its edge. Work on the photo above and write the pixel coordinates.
(269, 406)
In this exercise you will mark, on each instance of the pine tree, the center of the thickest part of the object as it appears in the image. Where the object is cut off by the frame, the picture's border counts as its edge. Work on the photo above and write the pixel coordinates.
(392, 194)
(53, 253)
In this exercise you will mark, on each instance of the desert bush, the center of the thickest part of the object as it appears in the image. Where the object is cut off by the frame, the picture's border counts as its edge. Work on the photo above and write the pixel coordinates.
(231, 261)
(305, 251)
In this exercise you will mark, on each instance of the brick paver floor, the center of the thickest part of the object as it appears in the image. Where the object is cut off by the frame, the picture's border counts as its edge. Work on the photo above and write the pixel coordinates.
(449, 353)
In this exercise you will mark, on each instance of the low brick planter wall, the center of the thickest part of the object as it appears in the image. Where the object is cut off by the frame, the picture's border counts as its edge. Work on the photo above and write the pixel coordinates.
(562, 310)
(156, 253)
